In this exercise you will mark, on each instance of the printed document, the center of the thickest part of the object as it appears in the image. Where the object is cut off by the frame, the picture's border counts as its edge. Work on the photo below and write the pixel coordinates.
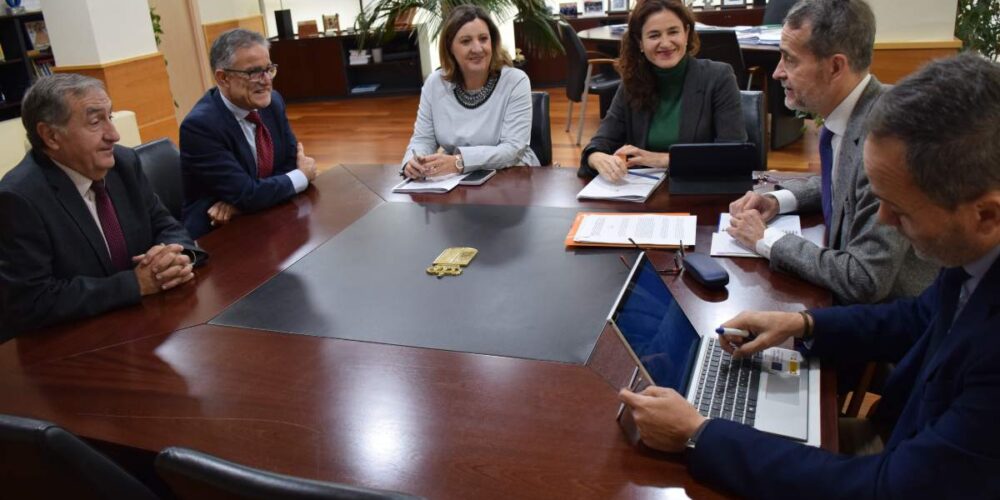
(724, 245)
(635, 187)
(644, 229)
(440, 184)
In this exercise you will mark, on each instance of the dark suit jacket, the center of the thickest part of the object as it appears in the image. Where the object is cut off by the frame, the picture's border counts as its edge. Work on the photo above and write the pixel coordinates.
(710, 112)
(866, 262)
(54, 265)
(945, 445)
(217, 162)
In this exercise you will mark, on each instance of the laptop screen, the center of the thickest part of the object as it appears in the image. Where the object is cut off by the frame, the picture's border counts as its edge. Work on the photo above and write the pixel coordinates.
(657, 329)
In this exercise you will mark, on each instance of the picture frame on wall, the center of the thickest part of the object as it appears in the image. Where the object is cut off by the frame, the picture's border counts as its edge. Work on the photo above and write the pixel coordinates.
(618, 6)
(568, 9)
(733, 3)
(593, 7)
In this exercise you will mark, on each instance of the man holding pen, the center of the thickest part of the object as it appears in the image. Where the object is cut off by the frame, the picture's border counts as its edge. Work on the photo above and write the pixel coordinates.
(934, 434)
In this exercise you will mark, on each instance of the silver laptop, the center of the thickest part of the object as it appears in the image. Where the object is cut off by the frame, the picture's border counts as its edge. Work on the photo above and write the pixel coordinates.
(669, 352)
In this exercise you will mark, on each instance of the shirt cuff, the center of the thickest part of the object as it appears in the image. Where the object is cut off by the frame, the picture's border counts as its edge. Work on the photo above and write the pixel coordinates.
(299, 180)
(771, 236)
(786, 200)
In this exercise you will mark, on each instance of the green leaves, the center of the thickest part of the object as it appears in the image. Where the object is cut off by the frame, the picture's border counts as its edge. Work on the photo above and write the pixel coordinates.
(978, 26)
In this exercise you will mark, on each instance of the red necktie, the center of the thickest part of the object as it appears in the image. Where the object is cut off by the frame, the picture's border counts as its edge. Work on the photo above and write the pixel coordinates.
(112, 229)
(265, 148)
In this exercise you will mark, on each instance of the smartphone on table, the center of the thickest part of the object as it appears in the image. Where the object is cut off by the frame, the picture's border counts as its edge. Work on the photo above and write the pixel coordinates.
(477, 178)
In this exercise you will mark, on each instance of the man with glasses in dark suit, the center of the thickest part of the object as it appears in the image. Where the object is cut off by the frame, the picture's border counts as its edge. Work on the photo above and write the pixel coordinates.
(238, 152)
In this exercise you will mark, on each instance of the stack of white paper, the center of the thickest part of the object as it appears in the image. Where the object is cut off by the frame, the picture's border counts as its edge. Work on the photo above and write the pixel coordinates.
(724, 245)
(635, 187)
(643, 229)
(440, 184)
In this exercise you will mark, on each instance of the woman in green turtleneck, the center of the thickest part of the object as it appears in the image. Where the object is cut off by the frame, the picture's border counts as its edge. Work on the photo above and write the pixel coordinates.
(666, 97)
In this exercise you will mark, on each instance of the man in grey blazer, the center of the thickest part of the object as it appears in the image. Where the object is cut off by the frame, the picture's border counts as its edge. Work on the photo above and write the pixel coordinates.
(826, 50)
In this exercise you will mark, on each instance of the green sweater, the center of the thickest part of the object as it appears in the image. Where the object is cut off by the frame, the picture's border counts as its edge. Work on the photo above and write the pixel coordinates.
(664, 129)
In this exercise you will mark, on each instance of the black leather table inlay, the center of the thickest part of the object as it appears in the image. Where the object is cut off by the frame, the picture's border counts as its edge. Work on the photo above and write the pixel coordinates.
(524, 295)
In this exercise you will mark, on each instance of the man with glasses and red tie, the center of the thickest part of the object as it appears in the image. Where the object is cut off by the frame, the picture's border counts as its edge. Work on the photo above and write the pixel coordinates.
(238, 152)
(826, 50)
(81, 231)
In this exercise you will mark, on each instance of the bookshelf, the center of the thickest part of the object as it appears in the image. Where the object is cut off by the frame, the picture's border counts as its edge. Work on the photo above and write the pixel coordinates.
(319, 68)
(22, 62)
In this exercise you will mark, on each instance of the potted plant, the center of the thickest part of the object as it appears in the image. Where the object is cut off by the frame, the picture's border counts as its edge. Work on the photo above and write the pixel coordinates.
(978, 26)
(380, 16)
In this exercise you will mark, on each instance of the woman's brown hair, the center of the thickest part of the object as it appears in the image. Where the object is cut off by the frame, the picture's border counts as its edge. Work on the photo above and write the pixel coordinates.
(636, 70)
(458, 17)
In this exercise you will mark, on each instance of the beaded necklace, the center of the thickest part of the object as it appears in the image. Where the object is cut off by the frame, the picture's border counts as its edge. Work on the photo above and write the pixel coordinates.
(473, 100)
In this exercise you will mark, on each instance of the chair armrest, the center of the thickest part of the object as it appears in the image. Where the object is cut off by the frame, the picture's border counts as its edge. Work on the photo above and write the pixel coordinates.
(602, 61)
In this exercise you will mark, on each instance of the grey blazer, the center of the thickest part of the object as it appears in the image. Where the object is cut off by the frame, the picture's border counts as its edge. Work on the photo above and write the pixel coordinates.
(865, 261)
(710, 112)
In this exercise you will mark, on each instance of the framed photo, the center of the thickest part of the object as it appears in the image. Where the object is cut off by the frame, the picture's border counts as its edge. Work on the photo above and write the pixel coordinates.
(568, 9)
(618, 5)
(593, 7)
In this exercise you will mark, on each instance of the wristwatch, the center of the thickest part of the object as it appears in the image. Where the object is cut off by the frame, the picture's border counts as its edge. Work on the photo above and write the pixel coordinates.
(693, 440)
(459, 164)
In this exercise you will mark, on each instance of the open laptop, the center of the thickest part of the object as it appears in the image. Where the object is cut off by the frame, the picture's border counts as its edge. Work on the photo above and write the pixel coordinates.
(712, 168)
(671, 353)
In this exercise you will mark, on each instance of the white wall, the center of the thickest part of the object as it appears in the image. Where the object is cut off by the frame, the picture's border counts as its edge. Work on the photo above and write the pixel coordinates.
(914, 20)
(213, 11)
(84, 32)
(305, 10)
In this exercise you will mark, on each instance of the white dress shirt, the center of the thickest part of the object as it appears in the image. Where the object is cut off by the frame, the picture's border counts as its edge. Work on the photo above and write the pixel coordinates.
(83, 186)
(836, 123)
(299, 180)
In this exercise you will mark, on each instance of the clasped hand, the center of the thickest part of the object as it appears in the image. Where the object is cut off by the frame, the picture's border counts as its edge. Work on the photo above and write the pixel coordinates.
(749, 217)
(614, 167)
(161, 268)
(433, 165)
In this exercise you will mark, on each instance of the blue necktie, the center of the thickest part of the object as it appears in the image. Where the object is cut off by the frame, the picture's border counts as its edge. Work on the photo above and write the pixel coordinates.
(826, 174)
(951, 288)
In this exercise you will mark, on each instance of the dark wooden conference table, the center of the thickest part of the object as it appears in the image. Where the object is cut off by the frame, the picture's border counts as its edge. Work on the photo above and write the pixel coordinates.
(429, 422)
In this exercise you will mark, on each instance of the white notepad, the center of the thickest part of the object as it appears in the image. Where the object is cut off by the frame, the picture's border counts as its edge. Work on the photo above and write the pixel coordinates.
(724, 245)
(441, 184)
(634, 188)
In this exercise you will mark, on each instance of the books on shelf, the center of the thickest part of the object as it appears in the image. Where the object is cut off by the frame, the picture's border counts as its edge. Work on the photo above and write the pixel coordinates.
(42, 66)
(364, 88)
(614, 229)
(635, 187)
(38, 36)
(724, 245)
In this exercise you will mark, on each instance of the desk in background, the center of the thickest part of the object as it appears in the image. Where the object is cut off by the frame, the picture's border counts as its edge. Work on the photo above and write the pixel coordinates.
(435, 423)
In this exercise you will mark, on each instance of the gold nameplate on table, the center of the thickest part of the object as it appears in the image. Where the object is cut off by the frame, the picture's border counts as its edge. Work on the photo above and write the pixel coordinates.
(451, 261)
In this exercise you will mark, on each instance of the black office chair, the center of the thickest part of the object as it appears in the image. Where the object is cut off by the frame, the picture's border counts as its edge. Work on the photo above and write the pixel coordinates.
(581, 80)
(723, 46)
(541, 128)
(194, 475)
(755, 119)
(776, 11)
(161, 162)
(39, 459)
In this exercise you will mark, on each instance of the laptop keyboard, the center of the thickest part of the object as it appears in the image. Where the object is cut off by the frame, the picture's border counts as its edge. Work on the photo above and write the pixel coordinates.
(727, 387)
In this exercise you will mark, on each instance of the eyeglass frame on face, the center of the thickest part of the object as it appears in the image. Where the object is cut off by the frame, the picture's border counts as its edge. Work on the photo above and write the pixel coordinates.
(256, 75)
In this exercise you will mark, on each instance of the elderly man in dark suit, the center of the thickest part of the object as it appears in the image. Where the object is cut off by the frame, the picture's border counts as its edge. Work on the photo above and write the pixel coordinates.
(933, 157)
(238, 152)
(826, 50)
(81, 231)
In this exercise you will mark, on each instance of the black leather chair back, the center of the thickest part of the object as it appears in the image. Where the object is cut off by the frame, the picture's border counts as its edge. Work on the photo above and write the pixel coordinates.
(39, 459)
(541, 128)
(161, 162)
(723, 46)
(194, 475)
(754, 117)
(576, 54)
(776, 11)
